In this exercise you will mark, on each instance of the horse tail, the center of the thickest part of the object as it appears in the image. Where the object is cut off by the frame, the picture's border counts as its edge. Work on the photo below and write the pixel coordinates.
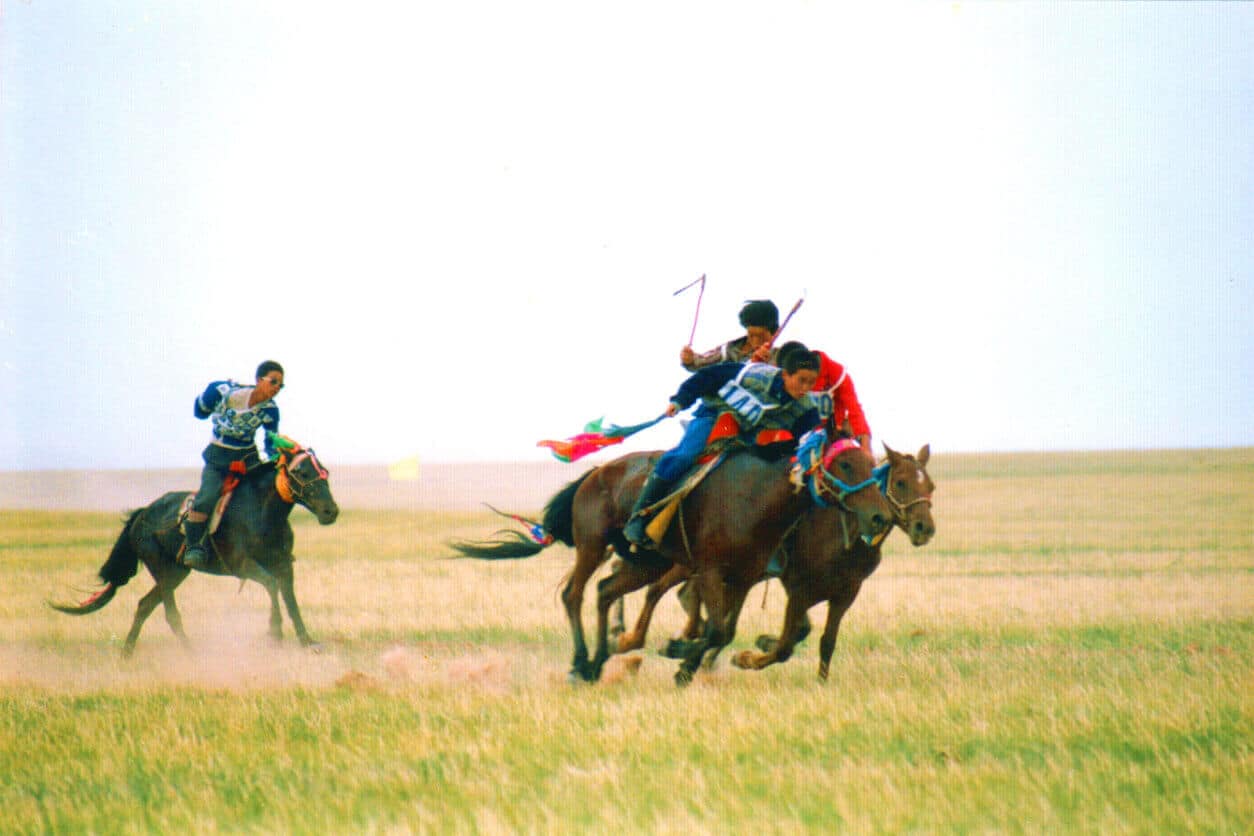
(558, 526)
(121, 566)
(559, 512)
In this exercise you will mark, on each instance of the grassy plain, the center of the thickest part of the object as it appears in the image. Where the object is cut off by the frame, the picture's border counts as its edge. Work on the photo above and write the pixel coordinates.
(1072, 653)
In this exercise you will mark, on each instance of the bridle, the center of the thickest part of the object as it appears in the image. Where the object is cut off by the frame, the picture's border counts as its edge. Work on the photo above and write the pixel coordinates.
(882, 474)
(822, 483)
(287, 482)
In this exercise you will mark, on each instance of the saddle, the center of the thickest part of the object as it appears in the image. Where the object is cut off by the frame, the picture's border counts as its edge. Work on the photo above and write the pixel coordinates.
(235, 473)
(724, 437)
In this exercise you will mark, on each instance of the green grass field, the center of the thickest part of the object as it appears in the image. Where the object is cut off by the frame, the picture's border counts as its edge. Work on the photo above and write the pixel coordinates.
(1073, 652)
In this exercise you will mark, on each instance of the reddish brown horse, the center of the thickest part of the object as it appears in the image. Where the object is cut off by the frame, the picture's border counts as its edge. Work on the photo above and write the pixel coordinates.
(725, 532)
(825, 563)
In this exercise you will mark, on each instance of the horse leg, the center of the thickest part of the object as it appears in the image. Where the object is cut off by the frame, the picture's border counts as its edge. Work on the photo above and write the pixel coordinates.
(587, 558)
(144, 609)
(618, 624)
(167, 584)
(719, 601)
(735, 603)
(611, 589)
(250, 569)
(635, 639)
(690, 599)
(836, 608)
(287, 588)
(767, 643)
(779, 650)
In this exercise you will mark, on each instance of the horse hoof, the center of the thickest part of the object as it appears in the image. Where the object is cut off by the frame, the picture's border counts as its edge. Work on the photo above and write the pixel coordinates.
(822, 673)
(683, 677)
(744, 660)
(314, 647)
(677, 649)
(577, 678)
(766, 643)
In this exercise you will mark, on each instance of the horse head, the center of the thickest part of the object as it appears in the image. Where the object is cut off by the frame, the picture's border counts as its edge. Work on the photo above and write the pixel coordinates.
(844, 478)
(301, 478)
(908, 489)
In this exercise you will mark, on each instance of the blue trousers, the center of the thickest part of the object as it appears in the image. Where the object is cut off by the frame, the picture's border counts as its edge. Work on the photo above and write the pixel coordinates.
(677, 461)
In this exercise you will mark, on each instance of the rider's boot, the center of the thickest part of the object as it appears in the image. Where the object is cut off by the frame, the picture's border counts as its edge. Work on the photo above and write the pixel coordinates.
(654, 489)
(195, 556)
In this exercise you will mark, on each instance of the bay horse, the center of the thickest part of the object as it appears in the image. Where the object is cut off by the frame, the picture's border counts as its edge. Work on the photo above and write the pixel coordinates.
(725, 532)
(908, 488)
(817, 572)
(253, 542)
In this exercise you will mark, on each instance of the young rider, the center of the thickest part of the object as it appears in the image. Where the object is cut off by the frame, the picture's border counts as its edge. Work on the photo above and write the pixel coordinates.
(758, 395)
(837, 399)
(237, 412)
(760, 319)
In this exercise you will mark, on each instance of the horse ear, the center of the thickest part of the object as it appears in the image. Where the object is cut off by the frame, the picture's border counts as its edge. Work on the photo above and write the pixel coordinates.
(924, 452)
(892, 454)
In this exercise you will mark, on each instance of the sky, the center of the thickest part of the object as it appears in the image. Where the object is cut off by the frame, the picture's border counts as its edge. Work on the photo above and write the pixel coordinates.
(460, 226)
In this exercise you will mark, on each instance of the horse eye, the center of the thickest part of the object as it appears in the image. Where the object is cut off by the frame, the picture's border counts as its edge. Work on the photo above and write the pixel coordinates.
(900, 484)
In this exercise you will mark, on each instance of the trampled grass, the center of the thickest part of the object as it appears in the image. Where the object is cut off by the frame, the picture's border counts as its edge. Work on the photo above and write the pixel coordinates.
(1072, 653)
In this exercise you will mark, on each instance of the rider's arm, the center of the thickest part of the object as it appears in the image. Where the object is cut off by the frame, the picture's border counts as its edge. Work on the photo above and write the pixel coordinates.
(723, 354)
(707, 381)
(270, 423)
(210, 398)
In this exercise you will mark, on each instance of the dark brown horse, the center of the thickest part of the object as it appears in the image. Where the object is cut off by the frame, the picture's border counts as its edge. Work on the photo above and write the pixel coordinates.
(253, 542)
(820, 570)
(725, 531)
(817, 541)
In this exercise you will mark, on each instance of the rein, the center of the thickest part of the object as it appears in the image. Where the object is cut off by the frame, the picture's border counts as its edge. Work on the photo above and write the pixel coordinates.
(287, 483)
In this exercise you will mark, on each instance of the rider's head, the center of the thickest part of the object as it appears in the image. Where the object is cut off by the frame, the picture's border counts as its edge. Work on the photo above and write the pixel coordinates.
(270, 375)
(760, 319)
(800, 368)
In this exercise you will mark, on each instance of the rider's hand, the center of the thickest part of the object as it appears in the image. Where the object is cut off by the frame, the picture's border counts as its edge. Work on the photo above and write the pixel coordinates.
(687, 355)
(762, 354)
(672, 409)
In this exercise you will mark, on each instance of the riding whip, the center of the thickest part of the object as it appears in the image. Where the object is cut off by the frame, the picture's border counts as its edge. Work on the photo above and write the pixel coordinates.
(771, 342)
(697, 315)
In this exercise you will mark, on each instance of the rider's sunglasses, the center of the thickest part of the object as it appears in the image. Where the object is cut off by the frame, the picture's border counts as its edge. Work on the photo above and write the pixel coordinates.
(273, 382)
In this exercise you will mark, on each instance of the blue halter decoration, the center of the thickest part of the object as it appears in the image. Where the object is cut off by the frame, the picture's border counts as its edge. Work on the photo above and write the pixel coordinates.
(845, 489)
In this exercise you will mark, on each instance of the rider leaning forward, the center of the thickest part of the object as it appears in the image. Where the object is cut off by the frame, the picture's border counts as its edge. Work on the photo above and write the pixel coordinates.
(834, 387)
(236, 411)
(759, 396)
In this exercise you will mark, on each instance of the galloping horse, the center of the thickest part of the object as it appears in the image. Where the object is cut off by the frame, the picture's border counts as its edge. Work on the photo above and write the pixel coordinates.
(817, 572)
(725, 531)
(253, 542)
(908, 489)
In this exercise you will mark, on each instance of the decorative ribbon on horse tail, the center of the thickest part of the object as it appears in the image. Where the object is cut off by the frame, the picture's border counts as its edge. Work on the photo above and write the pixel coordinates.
(593, 438)
(535, 530)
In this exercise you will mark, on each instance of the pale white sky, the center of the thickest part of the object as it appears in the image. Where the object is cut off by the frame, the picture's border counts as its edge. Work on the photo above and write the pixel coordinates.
(459, 225)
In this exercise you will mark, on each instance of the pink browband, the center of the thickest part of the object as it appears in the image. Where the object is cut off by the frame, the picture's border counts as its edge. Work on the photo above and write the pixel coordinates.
(839, 446)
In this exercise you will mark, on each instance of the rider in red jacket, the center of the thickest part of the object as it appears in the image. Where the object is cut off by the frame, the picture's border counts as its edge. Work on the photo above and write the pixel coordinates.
(834, 382)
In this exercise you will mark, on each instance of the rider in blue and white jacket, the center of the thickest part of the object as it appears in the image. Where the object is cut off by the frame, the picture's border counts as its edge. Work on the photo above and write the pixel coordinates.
(236, 411)
(759, 395)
